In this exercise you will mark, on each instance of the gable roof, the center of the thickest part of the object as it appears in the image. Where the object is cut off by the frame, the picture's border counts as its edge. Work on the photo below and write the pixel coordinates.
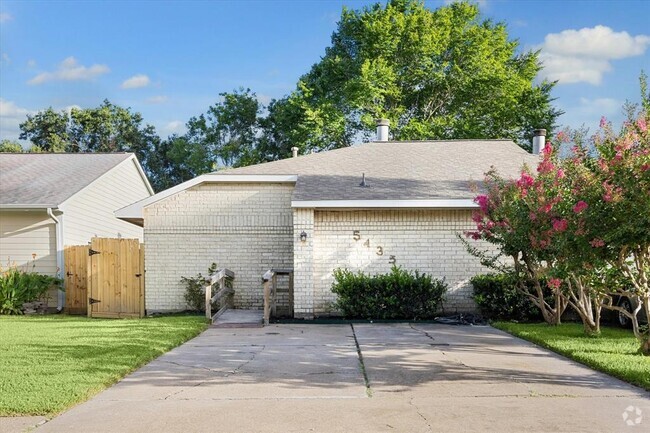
(41, 180)
(409, 174)
(412, 170)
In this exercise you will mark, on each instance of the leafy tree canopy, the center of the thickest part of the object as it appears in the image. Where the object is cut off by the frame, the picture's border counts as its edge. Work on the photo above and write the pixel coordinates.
(435, 74)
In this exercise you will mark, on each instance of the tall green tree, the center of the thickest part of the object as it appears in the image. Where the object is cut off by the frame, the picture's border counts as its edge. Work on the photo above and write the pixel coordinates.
(107, 128)
(47, 129)
(435, 74)
(227, 134)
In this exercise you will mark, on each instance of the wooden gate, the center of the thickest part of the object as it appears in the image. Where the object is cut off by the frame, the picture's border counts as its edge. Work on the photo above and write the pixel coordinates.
(116, 278)
(76, 279)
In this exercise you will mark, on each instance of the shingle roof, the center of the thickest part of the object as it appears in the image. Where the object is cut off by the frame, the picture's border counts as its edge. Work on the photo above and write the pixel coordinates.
(397, 170)
(48, 179)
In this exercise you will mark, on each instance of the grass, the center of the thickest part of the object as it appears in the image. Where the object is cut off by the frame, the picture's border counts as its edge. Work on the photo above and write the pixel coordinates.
(614, 352)
(49, 363)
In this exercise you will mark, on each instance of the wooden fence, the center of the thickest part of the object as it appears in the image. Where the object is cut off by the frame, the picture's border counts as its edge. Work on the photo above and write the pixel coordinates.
(105, 278)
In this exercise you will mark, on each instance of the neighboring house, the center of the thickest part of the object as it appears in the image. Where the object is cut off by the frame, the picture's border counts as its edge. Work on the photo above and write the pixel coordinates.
(312, 214)
(51, 200)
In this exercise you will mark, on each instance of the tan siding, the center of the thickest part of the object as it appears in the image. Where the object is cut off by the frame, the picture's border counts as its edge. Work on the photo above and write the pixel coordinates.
(90, 212)
(23, 234)
(247, 228)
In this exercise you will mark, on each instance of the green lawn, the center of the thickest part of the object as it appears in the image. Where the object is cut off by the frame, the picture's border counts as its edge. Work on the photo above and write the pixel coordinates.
(49, 363)
(614, 352)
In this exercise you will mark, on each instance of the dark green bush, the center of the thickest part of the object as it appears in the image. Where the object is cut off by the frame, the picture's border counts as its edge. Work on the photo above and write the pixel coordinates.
(497, 298)
(399, 294)
(18, 287)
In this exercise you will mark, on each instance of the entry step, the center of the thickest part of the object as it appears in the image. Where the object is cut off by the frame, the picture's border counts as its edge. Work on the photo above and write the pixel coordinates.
(240, 319)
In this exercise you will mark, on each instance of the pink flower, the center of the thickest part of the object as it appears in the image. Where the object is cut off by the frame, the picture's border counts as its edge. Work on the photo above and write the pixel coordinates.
(477, 217)
(554, 283)
(642, 124)
(482, 202)
(532, 216)
(548, 149)
(603, 121)
(562, 137)
(526, 180)
(545, 166)
(560, 174)
(580, 206)
(597, 243)
(560, 225)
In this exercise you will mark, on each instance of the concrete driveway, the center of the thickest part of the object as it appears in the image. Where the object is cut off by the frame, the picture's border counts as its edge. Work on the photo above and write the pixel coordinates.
(365, 378)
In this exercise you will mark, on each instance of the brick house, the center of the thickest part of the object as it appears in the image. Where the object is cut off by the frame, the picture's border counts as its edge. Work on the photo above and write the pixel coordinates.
(363, 207)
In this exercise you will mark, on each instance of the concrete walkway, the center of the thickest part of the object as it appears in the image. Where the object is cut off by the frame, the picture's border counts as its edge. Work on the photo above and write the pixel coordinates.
(366, 378)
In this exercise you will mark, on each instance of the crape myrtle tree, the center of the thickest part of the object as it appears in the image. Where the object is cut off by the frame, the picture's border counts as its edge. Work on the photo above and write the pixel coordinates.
(580, 223)
(617, 221)
(516, 218)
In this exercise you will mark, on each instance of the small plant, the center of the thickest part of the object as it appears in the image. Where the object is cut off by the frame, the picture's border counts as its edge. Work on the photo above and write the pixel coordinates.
(400, 294)
(19, 286)
(498, 298)
(195, 289)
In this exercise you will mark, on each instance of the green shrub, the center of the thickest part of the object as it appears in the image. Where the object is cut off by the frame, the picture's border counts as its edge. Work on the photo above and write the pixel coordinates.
(399, 294)
(19, 286)
(195, 289)
(497, 298)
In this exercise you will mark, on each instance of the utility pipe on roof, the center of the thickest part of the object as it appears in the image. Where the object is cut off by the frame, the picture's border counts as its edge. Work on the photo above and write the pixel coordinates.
(59, 256)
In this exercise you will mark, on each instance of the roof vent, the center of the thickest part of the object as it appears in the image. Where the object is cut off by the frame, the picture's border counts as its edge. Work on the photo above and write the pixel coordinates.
(539, 141)
(294, 151)
(363, 181)
(382, 129)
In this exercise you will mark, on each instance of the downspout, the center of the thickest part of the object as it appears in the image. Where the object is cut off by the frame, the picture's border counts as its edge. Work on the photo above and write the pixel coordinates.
(59, 257)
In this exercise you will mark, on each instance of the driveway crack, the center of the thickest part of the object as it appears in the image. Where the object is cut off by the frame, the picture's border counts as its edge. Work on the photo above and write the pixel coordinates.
(420, 414)
(362, 365)
(228, 374)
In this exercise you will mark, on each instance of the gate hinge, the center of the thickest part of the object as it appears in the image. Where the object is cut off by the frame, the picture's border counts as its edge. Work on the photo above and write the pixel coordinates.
(93, 301)
(92, 252)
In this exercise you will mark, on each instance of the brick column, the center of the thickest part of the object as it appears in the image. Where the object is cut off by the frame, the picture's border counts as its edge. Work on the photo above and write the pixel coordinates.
(303, 264)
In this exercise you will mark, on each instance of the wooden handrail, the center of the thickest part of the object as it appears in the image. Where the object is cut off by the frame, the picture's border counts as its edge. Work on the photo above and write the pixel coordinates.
(222, 278)
(270, 279)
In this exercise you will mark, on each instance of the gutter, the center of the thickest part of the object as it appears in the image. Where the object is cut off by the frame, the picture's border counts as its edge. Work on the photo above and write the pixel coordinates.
(59, 257)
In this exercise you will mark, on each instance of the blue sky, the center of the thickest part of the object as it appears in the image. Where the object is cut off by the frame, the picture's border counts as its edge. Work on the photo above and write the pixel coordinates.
(170, 60)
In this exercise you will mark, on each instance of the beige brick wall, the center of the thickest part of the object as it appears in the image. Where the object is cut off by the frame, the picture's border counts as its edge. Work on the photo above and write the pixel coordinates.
(303, 263)
(247, 228)
(419, 239)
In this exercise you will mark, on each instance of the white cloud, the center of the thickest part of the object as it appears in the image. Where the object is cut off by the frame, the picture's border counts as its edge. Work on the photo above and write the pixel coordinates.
(5, 16)
(174, 127)
(11, 116)
(70, 70)
(585, 55)
(158, 99)
(31, 63)
(5, 58)
(136, 82)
